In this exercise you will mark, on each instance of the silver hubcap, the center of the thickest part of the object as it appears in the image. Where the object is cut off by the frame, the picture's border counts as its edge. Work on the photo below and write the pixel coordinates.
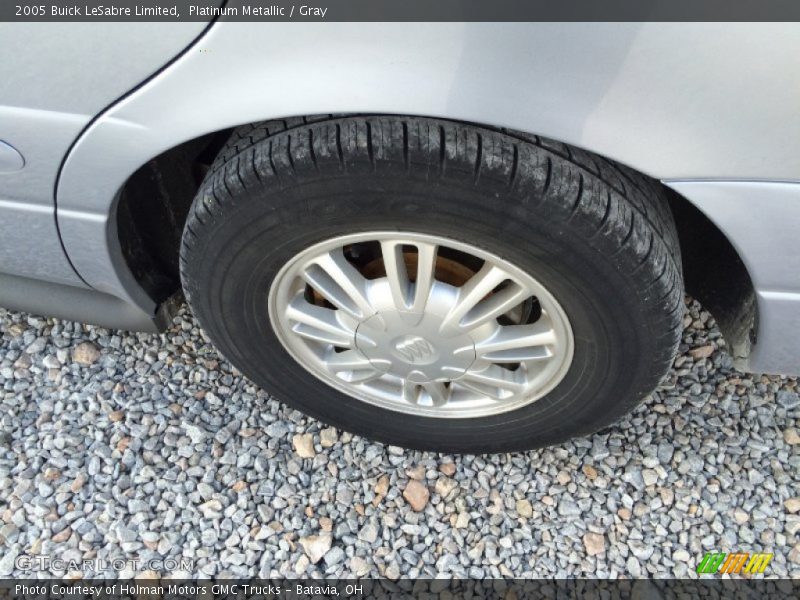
(421, 324)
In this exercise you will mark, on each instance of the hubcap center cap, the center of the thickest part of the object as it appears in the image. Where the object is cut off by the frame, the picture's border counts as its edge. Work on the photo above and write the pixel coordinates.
(413, 347)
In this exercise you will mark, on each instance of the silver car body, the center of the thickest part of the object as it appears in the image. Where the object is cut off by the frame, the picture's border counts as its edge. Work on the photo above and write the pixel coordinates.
(709, 109)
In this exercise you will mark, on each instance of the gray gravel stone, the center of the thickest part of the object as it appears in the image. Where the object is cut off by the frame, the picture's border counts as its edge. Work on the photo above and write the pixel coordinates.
(334, 556)
(788, 400)
(153, 445)
(7, 561)
(369, 533)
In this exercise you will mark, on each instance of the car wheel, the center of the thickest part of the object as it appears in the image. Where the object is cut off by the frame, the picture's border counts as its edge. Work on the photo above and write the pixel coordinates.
(433, 284)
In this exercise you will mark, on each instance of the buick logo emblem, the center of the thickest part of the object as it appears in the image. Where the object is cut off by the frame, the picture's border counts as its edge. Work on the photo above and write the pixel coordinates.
(415, 350)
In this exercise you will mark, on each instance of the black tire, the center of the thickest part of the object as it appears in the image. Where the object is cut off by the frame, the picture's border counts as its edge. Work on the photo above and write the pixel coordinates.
(598, 235)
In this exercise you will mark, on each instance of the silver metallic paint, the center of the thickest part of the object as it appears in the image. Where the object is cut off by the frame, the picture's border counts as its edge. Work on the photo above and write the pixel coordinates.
(61, 76)
(10, 158)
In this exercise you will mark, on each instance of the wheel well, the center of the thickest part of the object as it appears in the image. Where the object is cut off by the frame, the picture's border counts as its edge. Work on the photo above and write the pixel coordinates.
(152, 210)
(715, 275)
(155, 201)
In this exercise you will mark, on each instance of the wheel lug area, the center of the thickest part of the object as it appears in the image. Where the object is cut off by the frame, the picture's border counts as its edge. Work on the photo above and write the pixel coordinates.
(414, 346)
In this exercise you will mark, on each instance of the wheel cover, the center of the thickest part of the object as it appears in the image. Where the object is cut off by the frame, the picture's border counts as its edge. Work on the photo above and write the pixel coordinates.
(421, 332)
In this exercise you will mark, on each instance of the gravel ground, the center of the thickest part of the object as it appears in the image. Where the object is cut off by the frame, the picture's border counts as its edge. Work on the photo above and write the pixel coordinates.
(153, 447)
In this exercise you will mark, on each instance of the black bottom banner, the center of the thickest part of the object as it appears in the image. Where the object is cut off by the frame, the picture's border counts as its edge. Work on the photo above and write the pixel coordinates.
(433, 589)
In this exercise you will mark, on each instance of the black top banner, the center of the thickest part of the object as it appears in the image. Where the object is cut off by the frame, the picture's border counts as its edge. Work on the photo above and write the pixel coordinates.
(400, 10)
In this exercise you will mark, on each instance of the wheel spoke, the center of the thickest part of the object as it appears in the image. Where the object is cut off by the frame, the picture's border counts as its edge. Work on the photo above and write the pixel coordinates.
(494, 381)
(472, 292)
(415, 393)
(408, 296)
(396, 273)
(409, 391)
(426, 268)
(352, 366)
(360, 376)
(340, 283)
(348, 360)
(437, 391)
(518, 343)
(318, 323)
(495, 305)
